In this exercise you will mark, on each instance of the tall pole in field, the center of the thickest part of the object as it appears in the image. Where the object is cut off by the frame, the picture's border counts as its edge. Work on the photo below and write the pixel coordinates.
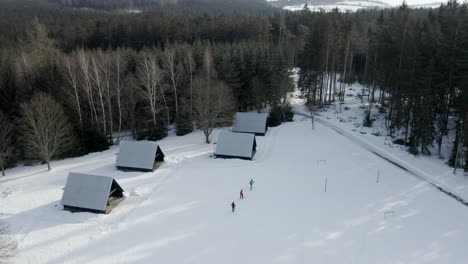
(460, 136)
(312, 118)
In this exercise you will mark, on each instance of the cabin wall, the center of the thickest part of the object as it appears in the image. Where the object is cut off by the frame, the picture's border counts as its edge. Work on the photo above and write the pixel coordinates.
(132, 169)
(232, 157)
(159, 155)
(75, 209)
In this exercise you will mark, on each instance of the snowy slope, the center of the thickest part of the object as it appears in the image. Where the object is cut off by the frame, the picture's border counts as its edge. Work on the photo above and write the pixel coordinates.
(353, 5)
(181, 213)
(349, 121)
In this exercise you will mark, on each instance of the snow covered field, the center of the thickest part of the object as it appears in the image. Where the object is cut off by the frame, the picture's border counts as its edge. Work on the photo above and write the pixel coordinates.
(353, 5)
(349, 122)
(344, 6)
(181, 212)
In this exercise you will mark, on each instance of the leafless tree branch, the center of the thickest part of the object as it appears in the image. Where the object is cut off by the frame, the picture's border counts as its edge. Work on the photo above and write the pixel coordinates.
(45, 130)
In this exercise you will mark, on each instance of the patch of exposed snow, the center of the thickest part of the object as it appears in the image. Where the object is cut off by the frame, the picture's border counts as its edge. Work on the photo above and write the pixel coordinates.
(316, 199)
(353, 6)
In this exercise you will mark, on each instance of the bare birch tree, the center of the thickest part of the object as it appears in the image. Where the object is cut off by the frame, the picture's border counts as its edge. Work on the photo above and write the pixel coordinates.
(72, 88)
(171, 70)
(119, 84)
(190, 69)
(213, 105)
(150, 76)
(87, 85)
(99, 86)
(105, 70)
(6, 140)
(24, 66)
(214, 102)
(45, 130)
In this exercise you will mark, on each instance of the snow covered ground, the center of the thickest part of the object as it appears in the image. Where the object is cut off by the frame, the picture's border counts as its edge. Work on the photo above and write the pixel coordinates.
(349, 122)
(181, 212)
(353, 5)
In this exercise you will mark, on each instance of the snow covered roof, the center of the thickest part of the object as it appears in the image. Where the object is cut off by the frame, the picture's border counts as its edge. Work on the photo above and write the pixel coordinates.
(138, 155)
(88, 191)
(241, 145)
(251, 123)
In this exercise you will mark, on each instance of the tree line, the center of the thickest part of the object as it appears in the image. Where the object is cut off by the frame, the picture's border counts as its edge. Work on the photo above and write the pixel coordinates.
(112, 74)
(413, 62)
(193, 6)
(73, 103)
(72, 28)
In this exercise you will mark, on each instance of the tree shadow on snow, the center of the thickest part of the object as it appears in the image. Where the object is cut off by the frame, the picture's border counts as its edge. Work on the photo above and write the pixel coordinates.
(44, 217)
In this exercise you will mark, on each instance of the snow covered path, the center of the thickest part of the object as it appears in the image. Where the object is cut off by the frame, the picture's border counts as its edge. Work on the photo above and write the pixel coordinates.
(390, 158)
(181, 213)
(348, 122)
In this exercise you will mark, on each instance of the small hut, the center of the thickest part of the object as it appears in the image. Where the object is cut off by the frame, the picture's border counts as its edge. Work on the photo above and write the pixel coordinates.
(255, 123)
(91, 193)
(139, 156)
(236, 145)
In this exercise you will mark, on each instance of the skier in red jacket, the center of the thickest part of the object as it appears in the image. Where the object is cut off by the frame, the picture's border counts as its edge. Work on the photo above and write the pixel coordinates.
(242, 194)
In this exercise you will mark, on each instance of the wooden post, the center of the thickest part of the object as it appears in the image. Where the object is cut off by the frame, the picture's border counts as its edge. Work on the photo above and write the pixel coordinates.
(460, 135)
(465, 132)
(465, 138)
(312, 118)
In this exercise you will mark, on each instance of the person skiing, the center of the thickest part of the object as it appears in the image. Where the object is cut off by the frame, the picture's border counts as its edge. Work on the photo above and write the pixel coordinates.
(251, 183)
(242, 194)
(233, 205)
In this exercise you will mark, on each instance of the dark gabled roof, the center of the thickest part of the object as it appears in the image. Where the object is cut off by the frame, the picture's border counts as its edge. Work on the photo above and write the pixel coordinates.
(231, 144)
(137, 154)
(87, 191)
(250, 123)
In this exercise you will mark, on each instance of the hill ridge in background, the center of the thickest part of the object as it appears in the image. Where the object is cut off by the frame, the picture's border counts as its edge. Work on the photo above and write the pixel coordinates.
(350, 5)
(253, 7)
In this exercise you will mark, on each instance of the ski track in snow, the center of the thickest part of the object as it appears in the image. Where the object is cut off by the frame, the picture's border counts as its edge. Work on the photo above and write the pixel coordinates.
(388, 157)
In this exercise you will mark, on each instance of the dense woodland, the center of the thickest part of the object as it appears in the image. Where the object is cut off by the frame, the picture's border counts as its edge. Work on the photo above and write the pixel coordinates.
(253, 7)
(106, 74)
(414, 63)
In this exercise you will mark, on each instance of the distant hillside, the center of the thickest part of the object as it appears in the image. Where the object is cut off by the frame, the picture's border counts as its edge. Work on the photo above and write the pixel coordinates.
(350, 5)
(282, 3)
(192, 6)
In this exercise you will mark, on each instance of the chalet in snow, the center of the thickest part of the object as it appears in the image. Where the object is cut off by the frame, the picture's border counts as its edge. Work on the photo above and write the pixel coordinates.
(139, 156)
(91, 193)
(255, 123)
(236, 145)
